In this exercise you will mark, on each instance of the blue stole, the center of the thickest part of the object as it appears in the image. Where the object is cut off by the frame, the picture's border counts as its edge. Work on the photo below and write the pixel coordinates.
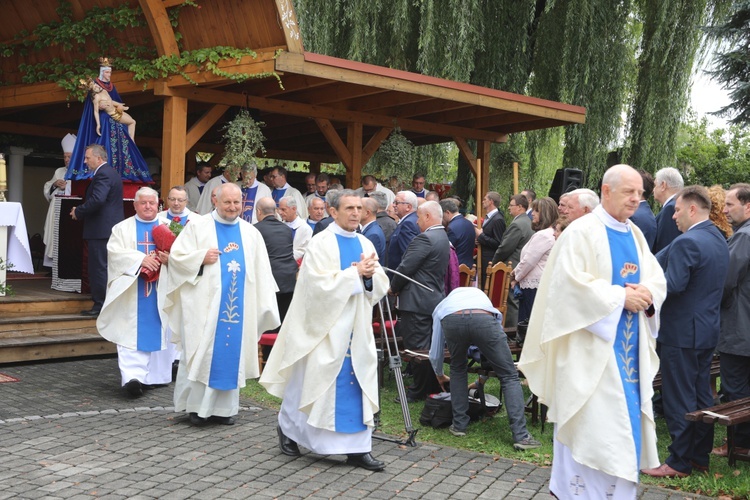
(310, 223)
(182, 221)
(248, 202)
(278, 194)
(200, 188)
(626, 269)
(349, 416)
(149, 323)
(225, 363)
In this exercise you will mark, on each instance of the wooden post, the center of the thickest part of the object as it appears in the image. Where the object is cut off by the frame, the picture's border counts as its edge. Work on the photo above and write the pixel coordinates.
(515, 177)
(173, 147)
(354, 144)
(314, 167)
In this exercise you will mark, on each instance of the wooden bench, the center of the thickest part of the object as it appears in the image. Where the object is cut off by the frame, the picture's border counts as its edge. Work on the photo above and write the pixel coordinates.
(715, 372)
(728, 414)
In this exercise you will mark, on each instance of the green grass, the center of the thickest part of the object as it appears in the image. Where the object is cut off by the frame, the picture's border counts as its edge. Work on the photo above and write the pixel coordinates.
(492, 436)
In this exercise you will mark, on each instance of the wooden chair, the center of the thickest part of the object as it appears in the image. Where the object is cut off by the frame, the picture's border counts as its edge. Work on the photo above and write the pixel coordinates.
(497, 284)
(267, 339)
(467, 275)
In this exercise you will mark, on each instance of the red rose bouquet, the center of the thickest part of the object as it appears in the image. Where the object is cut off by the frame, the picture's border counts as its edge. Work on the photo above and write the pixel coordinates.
(164, 236)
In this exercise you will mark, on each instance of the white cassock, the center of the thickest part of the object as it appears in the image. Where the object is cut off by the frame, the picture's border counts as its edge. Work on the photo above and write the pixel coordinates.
(250, 196)
(194, 193)
(305, 365)
(195, 303)
(118, 320)
(204, 203)
(302, 235)
(167, 214)
(390, 196)
(288, 190)
(569, 361)
(49, 223)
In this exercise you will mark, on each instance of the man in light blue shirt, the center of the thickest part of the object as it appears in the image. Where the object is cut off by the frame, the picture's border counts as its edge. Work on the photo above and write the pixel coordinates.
(467, 317)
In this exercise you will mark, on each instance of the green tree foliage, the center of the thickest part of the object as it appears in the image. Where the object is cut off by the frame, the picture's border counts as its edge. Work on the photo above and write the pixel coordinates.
(732, 67)
(627, 61)
(718, 156)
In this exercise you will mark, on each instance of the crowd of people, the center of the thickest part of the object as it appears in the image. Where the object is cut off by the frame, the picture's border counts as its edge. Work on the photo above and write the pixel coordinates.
(610, 293)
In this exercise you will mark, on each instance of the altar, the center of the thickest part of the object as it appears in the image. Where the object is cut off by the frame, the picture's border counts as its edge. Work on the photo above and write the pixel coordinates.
(14, 241)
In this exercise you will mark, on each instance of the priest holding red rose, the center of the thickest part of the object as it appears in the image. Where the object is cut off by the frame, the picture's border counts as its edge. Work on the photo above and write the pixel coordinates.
(177, 201)
(130, 316)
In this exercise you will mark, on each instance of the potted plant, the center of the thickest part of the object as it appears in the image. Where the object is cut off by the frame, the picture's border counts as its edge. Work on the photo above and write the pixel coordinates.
(243, 139)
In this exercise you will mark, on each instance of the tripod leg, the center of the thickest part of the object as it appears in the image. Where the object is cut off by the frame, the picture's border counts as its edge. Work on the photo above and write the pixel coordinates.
(394, 363)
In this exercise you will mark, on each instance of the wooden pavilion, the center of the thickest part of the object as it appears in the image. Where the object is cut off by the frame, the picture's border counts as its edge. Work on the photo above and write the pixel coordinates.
(320, 109)
(316, 109)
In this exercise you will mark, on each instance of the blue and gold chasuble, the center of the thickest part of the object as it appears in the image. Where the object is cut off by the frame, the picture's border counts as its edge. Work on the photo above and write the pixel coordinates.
(277, 194)
(248, 202)
(149, 324)
(225, 363)
(349, 415)
(626, 269)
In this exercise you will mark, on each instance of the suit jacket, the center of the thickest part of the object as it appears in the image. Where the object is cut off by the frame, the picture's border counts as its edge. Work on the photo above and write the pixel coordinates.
(490, 238)
(374, 233)
(426, 260)
(735, 308)
(646, 222)
(695, 265)
(406, 230)
(278, 239)
(102, 207)
(462, 235)
(516, 236)
(387, 224)
(666, 227)
(324, 223)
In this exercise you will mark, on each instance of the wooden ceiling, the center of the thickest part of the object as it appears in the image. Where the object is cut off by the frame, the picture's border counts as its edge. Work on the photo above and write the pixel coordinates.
(308, 114)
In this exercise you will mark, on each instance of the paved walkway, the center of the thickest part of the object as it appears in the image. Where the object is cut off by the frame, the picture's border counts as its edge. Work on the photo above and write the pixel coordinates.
(66, 431)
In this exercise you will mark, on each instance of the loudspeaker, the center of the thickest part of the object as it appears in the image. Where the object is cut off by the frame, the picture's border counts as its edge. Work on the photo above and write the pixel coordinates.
(566, 180)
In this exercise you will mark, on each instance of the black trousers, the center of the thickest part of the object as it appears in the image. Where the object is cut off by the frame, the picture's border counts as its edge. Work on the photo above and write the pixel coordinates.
(97, 271)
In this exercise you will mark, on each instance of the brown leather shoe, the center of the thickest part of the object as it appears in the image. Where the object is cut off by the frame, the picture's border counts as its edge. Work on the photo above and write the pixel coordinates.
(664, 470)
(723, 450)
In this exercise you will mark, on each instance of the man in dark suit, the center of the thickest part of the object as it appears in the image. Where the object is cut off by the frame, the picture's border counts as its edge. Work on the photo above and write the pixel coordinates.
(426, 261)
(530, 195)
(370, 227)
(668, 182)
(460, 232)
(491, 233)
(405, 205)
(643, 216)
(386, 223)
(100, 211)
(695, 265)
(519, 233)
(279, 243)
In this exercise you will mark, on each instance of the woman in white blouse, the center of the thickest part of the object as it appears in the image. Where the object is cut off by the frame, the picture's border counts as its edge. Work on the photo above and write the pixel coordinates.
(534, 254)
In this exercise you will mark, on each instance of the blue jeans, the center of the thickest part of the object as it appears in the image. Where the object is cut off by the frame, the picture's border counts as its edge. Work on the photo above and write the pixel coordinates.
(464, 329)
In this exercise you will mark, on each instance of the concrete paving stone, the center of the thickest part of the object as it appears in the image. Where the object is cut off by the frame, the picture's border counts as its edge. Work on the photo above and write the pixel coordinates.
(56, 486)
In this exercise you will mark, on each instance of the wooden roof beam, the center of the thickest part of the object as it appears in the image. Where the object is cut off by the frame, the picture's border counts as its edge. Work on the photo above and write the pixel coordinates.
(203, 125)
(314, 111)
(334, 139)
(160, 27)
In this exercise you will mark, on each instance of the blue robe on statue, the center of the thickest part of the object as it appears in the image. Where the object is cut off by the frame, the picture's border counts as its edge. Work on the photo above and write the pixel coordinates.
(122, 153)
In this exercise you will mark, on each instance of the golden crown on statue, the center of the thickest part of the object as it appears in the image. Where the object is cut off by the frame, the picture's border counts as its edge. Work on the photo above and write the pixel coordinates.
(105, 61)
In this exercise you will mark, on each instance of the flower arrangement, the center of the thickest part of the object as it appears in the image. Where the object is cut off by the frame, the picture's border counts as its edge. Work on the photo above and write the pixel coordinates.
(243, 139)
(164, 236)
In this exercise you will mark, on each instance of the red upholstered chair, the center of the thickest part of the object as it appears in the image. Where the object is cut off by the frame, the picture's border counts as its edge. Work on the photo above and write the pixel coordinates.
(497, 284)
(268, 340)
(467, 275)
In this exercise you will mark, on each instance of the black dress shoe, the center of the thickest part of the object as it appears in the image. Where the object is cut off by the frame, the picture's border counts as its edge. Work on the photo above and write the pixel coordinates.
(196, 420)
(134, 388)
(366, 461)
(287, 446)
(221, 420)
(93, 313)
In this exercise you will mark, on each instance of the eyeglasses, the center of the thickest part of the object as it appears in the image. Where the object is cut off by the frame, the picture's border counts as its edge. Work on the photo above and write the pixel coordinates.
(181, 200)
(401, 203)
(512, 205)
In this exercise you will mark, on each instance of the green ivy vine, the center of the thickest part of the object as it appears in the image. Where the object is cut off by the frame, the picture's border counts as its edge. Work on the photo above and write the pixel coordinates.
(97, 25)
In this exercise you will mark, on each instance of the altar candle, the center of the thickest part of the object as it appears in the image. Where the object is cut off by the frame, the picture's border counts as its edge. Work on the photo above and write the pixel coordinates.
(3, 177)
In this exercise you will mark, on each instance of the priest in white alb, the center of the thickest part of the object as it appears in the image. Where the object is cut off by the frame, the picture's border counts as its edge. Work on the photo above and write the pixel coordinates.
(56, 186)
(324, 366)
(177, 211)
(130, 315)
(590, 348)
(221, 298)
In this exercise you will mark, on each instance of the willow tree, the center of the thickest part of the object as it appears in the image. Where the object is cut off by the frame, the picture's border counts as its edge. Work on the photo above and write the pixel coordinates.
(618, 58)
